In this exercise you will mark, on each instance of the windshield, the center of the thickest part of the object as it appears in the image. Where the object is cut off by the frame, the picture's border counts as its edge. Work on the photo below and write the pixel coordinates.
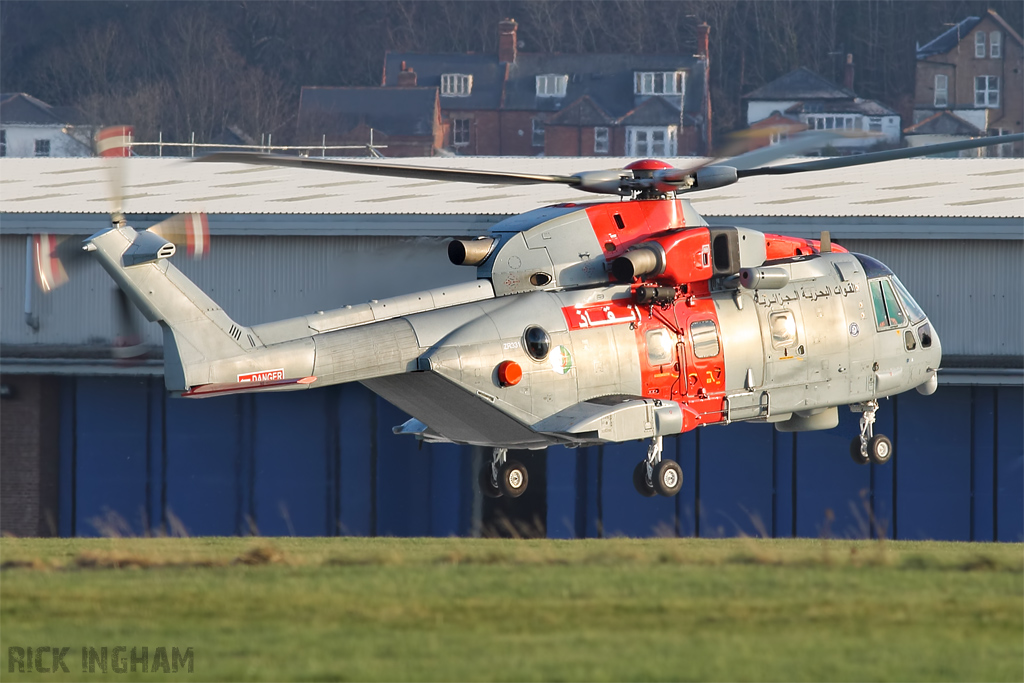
(915, 311)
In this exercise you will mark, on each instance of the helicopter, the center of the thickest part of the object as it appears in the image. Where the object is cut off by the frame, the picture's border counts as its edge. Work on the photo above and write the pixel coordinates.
(588, 323)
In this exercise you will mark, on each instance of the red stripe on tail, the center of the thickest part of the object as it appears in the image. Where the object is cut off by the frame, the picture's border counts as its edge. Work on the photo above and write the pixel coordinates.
(50, 273)
(115, 141)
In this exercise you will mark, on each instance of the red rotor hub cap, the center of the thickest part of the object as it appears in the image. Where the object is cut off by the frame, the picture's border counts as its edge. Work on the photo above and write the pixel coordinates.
(648, 165)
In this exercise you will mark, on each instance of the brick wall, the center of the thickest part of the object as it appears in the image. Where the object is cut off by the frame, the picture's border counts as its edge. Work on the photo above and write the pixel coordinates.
(29, 455)
(516, 130)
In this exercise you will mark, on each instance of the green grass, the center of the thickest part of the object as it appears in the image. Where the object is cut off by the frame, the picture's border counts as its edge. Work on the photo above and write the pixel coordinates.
(461, 609)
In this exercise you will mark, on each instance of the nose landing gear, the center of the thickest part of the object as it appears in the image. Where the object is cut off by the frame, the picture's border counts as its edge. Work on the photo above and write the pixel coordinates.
(654, 476)
(503, 477)
(869, 447)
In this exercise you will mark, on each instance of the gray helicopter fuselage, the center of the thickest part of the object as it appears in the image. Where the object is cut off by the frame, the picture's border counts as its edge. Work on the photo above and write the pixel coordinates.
(513, 360)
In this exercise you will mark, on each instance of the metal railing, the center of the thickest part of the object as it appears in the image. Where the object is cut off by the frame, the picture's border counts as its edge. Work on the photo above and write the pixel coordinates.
(266, 145)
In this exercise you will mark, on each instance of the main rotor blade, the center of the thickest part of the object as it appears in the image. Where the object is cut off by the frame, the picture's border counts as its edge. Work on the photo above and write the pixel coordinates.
(875, 157)
(397, 170)
(796, 145)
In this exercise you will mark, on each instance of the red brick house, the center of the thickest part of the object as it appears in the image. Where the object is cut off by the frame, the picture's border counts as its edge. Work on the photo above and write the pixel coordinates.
(406, 120)
(524, 104)
(975, 71)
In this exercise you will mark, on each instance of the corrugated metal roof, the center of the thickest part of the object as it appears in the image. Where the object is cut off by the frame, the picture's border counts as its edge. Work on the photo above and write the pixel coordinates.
(940, 188)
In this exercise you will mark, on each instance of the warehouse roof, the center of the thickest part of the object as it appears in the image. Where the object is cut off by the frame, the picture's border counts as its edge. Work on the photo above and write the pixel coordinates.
(969, 188)
(909, 199)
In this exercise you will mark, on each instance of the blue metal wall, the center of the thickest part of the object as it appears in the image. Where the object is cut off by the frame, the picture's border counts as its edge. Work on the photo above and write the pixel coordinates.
(324, 462)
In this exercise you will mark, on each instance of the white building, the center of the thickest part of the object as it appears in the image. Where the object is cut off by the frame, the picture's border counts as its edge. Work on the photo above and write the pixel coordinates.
(818, 104)
(33, 128)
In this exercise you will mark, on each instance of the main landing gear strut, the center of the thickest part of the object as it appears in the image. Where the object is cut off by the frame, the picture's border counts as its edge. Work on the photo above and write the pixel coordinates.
(869, 447)
(503, 477)
(654, 476)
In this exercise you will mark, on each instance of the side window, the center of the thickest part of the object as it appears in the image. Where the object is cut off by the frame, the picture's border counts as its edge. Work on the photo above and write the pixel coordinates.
(888, 312)
(783, 327)
(881, 319)
(659, 347)
(892, 306)
(704, 338)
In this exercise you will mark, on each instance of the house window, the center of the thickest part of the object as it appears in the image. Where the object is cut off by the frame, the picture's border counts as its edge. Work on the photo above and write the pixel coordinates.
(1003, 150)
(659, 82)
(979, 44)
(777, 137)
(600, 141)
(941, 90)
(995, 42)
(875, 124)
(456, 85)
(651, 141)
(551, 85)
(832, 122)
(986, 91)
(3, 143)
(538, 133)
(42, 148)
(460, 132)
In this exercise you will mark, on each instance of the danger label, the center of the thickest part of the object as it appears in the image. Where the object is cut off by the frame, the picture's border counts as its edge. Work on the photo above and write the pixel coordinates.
(262, 376)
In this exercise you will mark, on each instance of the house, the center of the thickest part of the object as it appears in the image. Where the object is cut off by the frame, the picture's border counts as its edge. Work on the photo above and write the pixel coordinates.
(974, 71)
(32, 128)
(944, 126)
(524, 104)
(806, 100)
(407, 121)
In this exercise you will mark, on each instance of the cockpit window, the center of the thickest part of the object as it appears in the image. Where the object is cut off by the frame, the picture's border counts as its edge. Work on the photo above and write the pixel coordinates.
(888, 313)
(913, 310)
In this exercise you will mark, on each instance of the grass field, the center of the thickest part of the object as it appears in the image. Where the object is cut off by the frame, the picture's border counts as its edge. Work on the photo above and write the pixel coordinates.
(464, 609)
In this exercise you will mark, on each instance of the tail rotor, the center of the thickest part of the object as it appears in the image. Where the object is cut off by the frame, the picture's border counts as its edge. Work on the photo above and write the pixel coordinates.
(56, 258)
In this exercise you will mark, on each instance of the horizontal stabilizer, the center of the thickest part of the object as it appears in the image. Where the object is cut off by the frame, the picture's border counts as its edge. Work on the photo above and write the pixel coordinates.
(205, 390)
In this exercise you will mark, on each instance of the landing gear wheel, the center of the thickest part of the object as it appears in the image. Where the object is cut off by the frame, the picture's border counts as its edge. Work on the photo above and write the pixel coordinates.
(668, 478)
(487, 486)
(640, 480)
(513, 479)
(879, 449)
(855, 452)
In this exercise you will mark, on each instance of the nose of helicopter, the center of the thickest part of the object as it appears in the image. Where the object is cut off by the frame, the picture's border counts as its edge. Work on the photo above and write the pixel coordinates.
(930, 357)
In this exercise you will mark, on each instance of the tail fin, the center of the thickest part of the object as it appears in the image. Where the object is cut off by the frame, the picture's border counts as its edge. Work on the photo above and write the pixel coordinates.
(197, 332)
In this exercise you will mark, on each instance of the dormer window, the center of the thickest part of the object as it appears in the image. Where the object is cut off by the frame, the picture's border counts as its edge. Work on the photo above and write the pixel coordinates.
(659, 82)
(551, 85)
(941, 90)
(456, 85)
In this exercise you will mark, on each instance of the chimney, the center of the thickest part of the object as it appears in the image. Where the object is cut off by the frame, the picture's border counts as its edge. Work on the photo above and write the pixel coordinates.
(703, 31)
(848, 73)
(507, 40)
(406, 77)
